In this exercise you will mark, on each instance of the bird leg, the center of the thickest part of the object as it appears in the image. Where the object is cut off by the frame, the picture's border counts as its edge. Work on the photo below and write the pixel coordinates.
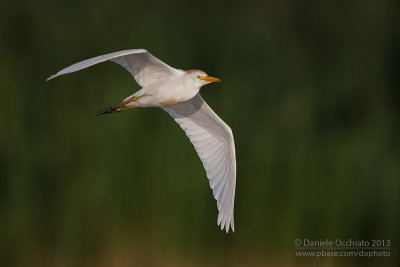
(125, 108)
(118, 107)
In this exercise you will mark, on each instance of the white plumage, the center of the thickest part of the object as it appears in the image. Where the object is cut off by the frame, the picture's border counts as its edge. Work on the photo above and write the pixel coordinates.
(177, 92)
(213, 141)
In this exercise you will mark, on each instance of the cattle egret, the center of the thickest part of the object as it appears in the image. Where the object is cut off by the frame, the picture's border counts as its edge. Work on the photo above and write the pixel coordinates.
(177, 92)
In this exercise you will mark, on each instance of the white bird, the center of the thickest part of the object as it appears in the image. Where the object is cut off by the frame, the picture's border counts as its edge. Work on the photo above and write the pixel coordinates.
(177, 92)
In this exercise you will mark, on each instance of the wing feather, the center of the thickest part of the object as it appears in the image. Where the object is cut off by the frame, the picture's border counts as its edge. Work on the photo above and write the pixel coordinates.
(143, 66)
(213, 141)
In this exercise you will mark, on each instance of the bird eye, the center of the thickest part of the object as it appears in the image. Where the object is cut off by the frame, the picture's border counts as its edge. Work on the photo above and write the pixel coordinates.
(198, 77)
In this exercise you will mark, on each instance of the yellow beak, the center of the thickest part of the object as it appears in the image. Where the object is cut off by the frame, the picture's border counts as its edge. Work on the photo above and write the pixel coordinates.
(209, 79)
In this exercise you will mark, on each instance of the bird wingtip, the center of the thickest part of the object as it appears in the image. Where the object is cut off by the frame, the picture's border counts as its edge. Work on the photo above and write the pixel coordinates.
(51, 77)
(225, 223)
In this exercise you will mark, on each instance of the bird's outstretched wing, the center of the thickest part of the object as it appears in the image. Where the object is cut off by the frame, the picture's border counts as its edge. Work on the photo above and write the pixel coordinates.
(143, 66)
(213, 141)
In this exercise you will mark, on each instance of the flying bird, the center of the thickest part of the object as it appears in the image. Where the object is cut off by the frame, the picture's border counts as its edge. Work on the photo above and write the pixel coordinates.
(178, 92)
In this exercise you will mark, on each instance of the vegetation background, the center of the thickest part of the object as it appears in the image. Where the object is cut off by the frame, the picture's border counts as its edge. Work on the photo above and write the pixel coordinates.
(310, 90)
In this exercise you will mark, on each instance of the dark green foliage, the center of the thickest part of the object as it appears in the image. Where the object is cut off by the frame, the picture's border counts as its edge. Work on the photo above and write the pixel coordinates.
(310, 90)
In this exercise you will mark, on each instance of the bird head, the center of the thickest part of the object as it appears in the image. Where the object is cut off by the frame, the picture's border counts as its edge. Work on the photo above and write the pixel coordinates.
(201, 78)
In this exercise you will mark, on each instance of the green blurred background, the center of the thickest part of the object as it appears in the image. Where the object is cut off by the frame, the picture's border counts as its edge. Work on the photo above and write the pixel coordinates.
(310, 90)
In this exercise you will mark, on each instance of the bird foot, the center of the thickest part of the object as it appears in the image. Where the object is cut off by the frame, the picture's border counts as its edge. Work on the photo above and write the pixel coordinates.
(106, 110)
(118, 107)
